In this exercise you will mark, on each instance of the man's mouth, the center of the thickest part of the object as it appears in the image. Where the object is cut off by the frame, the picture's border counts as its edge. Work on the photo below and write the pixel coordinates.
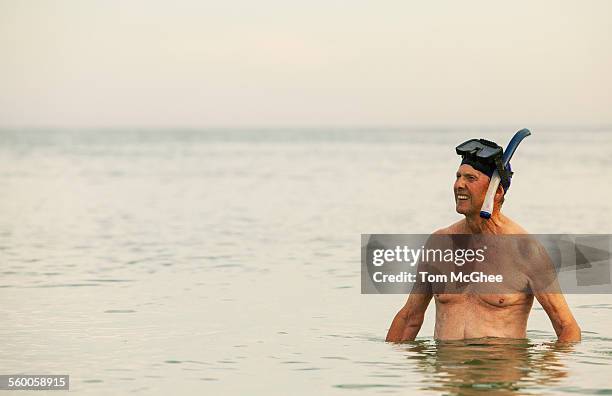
(462, 197)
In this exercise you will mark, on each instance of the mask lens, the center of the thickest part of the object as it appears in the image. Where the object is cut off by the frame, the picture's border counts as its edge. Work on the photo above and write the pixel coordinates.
(483, 150)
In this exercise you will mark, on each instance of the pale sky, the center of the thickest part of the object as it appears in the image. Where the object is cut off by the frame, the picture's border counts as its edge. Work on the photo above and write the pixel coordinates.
(144, 63)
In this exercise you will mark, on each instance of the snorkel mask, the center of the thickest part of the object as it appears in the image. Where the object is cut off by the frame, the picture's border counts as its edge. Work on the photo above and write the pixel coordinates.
(491, 159)
(486, 157)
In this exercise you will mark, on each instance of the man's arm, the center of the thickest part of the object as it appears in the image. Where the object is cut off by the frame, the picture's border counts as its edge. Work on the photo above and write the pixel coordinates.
(545, 286)
(408, 321)
(563, 321)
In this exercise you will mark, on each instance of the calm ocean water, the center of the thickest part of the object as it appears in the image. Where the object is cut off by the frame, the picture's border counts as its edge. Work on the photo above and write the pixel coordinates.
(227, 262)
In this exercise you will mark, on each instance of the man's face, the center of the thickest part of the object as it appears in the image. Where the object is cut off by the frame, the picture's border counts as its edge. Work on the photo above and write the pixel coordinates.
(470, 189)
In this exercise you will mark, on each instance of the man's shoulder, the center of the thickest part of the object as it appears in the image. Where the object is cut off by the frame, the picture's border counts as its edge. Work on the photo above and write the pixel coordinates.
(512, 227)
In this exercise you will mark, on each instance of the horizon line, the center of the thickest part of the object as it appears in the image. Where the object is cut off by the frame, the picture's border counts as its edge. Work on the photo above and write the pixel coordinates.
(289, 128)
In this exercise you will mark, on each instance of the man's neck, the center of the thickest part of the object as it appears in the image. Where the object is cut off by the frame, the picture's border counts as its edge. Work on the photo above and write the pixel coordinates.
(478, 225)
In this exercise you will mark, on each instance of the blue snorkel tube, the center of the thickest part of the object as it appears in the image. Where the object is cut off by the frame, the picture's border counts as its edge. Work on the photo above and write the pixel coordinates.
(487, 206)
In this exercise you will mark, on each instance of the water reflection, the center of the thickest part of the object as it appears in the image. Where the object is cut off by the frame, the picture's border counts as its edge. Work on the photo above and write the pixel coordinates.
(487, 365)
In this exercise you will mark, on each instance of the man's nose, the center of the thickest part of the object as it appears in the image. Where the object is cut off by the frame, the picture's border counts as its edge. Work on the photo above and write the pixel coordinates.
(459, 183)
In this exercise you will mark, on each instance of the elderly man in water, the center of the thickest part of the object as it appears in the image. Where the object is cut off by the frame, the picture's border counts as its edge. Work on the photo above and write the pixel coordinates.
(476, 315)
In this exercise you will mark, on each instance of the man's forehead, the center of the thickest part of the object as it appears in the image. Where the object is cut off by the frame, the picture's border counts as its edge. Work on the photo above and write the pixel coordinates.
(466, 169)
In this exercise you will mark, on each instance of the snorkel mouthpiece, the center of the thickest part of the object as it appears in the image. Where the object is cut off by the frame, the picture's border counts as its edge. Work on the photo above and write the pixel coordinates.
(492, 160)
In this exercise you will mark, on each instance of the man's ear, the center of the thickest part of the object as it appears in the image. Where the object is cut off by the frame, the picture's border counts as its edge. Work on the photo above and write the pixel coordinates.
(499, 194)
